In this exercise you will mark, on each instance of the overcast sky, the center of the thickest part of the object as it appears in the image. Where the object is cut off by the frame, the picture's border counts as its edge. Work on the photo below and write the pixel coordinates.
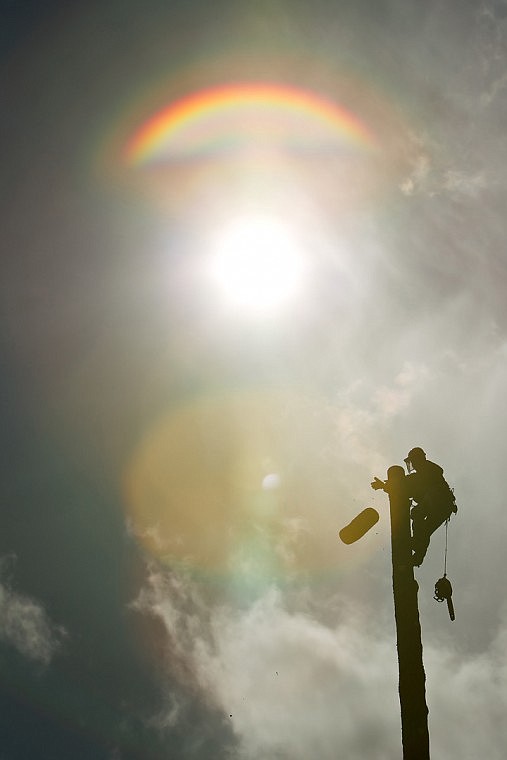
(159, 597)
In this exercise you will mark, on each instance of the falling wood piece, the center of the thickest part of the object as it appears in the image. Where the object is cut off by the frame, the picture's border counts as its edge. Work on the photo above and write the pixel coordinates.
(360, 525)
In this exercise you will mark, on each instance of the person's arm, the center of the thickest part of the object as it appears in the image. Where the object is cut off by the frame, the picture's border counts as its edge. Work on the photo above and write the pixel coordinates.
(378, 484)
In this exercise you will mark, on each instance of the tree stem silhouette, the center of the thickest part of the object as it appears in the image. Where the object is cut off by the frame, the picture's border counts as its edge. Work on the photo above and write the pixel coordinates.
(412, 679)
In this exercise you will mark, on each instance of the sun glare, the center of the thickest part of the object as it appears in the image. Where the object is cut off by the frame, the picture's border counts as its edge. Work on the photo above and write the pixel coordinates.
(257, 264)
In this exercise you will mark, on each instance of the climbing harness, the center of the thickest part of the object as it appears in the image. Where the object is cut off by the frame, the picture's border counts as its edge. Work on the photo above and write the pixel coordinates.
(443, 587)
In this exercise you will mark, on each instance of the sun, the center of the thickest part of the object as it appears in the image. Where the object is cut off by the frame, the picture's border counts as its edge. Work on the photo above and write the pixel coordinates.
(257, 264)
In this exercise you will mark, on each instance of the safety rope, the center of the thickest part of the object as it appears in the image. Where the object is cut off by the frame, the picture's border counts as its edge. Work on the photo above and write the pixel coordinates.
(446, 542)
(443, 587)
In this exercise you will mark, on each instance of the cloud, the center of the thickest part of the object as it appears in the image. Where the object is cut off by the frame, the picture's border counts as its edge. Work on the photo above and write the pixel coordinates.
(397, 398)
(25, 625)
(420, 169)
(428, 178)
(495, 90)
(458, 182)
(291, 686)
(468, 699)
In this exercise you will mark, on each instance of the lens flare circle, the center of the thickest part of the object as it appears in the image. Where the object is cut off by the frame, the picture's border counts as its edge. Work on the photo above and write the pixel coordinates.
(257, 263)
(244, 485)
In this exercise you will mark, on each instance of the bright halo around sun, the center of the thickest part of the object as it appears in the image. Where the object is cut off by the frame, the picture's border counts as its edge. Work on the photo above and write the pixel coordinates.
(258, 264)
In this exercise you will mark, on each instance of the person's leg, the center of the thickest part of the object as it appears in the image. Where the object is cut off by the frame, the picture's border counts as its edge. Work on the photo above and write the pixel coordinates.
(420, 541)
(434, 520)
(422, 531)
(420, 537)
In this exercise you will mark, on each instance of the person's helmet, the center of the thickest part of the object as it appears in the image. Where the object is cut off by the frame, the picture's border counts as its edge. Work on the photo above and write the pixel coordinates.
(414, 456)
(416, 453)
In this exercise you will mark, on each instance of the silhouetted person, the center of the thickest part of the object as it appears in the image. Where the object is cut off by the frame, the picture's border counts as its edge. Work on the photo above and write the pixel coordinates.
(434, 500)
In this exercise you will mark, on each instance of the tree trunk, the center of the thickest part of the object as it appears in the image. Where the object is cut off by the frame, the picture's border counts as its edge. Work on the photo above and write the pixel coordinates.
(412, 679)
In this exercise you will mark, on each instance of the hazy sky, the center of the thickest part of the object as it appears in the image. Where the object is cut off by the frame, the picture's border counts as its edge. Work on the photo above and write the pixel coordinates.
(159, 597)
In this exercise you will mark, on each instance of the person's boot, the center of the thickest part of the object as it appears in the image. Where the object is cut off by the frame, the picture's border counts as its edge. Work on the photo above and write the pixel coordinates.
(419, 552)
(417, 559)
